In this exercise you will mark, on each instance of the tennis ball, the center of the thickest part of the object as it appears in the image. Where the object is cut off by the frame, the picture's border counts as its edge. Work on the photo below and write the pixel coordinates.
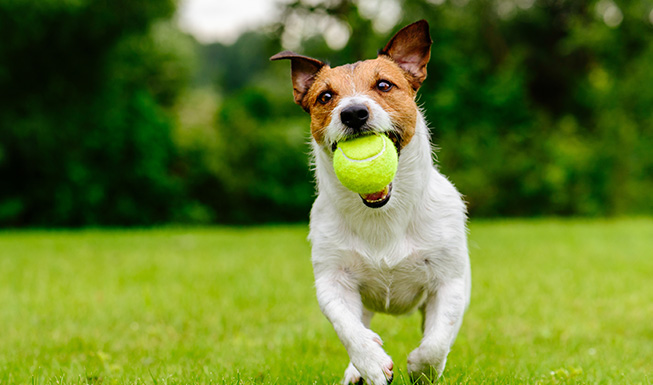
(366, 164)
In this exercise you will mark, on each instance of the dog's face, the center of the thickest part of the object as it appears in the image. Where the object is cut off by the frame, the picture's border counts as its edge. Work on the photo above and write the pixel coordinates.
(373, 95)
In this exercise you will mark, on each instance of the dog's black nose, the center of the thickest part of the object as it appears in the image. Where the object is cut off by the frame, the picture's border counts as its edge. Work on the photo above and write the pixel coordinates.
(354, 116)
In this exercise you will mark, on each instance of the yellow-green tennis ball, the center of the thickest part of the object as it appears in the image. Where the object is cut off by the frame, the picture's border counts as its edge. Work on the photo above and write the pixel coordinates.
(366, 164)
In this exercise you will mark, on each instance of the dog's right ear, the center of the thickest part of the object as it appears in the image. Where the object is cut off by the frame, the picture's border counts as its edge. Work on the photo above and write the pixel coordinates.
(303, 69)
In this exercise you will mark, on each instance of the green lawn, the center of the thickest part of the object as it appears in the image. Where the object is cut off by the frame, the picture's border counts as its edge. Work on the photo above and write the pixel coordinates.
(554, 302)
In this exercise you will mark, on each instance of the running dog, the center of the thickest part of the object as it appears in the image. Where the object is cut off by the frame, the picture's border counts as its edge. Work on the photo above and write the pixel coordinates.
(398, 250)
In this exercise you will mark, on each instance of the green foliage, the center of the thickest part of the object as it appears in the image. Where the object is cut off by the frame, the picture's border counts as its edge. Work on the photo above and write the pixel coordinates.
(265, 168)
(553, 302)
(251, 164)
(84, 131)
(538, 108)
(232, 67)
(256, 167)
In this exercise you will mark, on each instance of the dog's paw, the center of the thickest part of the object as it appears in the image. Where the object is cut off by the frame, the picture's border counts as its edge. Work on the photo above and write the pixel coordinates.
(353, 376)
(371, 362)
(426, 364)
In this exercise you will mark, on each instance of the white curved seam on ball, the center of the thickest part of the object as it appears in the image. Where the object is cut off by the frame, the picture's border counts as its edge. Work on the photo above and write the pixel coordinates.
(366, 159)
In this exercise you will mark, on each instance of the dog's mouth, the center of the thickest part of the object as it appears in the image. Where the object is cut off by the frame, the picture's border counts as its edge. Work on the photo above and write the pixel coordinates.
(394, 136)
(377, 199)
(380, 198)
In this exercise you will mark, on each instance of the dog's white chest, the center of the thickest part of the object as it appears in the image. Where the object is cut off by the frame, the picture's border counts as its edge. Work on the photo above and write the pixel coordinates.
(392, 289)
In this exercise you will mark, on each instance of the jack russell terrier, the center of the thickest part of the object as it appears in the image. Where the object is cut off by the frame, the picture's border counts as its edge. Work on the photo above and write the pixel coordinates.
(395, 251)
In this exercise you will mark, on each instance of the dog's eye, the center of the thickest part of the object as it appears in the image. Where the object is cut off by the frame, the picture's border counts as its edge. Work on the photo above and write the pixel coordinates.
(325, 97)
(384, 85)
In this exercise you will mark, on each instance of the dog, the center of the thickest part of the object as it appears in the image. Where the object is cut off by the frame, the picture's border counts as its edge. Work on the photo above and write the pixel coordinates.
(398, 250)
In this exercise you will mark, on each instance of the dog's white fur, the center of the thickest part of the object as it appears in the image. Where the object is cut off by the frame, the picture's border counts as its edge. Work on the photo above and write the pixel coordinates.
(409, 254)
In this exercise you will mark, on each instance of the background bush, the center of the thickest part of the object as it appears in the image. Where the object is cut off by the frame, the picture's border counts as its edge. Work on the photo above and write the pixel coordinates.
(110, 116)
(84, 126)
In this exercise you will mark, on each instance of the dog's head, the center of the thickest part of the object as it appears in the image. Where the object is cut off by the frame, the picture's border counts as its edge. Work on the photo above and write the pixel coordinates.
(371, 95)
(375, 95)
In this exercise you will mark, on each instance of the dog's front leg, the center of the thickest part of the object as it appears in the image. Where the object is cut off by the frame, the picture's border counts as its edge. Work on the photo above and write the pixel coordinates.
(340, 301)
(443, 314)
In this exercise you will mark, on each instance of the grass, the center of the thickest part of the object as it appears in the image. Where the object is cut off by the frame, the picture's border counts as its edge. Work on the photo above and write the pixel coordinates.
(554, 302)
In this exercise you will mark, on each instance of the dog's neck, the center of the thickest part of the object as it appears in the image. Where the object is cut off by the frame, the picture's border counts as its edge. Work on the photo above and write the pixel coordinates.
(380, 226)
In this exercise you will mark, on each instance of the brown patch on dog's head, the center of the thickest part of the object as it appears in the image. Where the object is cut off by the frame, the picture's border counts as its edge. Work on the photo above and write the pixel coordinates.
(391, 80)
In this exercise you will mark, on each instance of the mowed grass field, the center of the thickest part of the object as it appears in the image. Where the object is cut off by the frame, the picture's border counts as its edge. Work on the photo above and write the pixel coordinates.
(554, 302)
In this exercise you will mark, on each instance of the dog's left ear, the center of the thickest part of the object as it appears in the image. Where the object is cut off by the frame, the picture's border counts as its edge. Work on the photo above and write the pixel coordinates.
(303, 70)
(410, 48)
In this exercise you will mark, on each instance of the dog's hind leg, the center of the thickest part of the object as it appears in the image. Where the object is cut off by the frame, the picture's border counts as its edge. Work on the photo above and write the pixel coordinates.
(341, 303)
(443, 315)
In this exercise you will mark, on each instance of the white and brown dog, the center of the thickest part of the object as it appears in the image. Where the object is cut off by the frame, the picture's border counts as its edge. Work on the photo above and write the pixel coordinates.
(397, 250)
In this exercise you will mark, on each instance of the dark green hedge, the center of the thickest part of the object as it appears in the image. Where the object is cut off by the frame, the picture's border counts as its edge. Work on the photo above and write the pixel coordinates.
(84, 127)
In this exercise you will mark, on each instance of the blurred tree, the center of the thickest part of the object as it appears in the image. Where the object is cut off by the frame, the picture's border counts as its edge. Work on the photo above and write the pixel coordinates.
(84, 129)
(231, 67)
(253, 166)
